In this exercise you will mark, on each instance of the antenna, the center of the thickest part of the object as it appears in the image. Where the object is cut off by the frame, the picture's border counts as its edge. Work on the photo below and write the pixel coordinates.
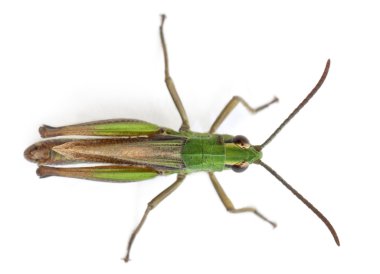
(303, 200)
(298, 108)
(275, 174)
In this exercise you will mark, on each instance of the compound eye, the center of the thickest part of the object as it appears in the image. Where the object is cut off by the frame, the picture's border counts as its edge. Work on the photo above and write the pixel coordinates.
(241, 141)
(240, 167)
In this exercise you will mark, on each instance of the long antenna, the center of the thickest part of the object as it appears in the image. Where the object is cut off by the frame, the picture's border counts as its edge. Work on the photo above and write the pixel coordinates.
(299, 107)
(304, 200)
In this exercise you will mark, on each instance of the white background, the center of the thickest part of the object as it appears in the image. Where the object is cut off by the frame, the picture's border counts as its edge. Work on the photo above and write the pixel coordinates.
(65, 62)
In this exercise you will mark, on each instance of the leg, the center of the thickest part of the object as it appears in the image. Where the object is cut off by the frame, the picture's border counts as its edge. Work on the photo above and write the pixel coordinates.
(169, 82)
(231, 105)
(151, 205)
(229, 205)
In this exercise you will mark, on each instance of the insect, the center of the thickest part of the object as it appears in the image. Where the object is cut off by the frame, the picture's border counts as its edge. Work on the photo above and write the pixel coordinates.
(134, 150)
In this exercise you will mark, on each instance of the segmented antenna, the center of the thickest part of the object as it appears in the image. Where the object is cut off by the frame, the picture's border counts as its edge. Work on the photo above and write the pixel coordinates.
(275, 174)
(304, 200)
(299, 107)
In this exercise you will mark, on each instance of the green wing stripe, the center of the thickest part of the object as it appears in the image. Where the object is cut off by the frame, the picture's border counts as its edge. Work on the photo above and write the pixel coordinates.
(116, 127)
(125, 128)
(101, 173)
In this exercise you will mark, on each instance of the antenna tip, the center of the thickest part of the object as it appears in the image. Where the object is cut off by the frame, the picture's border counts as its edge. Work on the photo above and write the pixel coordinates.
(337, 240)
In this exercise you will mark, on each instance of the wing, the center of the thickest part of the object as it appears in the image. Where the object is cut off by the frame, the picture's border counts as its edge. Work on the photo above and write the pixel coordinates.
(117, 174)
(114, 127)
(161, 152)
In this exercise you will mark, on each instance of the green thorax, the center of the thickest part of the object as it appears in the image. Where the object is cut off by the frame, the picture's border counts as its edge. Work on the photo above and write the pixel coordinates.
(214, 152)
(204, 152)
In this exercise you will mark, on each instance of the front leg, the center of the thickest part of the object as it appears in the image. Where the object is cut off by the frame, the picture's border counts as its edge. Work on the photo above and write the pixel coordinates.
(230, 206)
(231, 106)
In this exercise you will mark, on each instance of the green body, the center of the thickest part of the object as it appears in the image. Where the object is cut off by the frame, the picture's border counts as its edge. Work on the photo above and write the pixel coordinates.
(133, 150)
(127, 150)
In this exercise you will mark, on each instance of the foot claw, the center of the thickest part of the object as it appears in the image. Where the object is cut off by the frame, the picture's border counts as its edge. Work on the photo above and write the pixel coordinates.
(126, 259)
(163, 17)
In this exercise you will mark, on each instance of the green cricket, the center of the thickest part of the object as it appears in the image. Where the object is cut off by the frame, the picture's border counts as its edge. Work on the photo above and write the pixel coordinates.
(133, 150)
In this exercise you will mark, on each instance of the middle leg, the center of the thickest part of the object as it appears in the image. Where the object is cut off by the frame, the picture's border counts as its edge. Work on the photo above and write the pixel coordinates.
(169, 81)
(151, 205)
